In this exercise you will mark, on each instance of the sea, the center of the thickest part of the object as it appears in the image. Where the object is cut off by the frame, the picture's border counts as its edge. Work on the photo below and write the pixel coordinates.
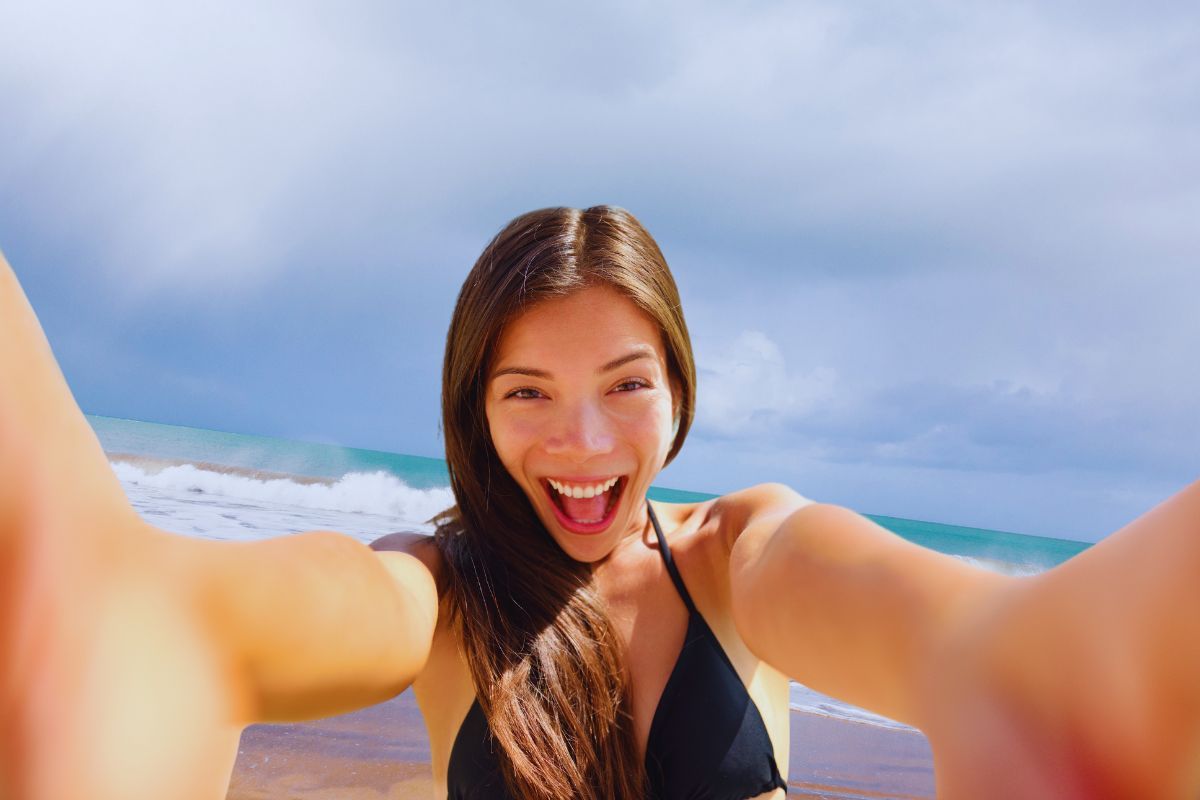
(238, 487)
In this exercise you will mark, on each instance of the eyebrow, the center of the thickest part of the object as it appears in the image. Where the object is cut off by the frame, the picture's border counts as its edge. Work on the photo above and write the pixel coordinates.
(638, 353)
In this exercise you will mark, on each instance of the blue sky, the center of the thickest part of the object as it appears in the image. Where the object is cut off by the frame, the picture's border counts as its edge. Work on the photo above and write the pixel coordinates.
(940, 260)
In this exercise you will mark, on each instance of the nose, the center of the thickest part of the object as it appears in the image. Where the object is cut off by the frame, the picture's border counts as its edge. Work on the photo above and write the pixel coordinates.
(581, 432)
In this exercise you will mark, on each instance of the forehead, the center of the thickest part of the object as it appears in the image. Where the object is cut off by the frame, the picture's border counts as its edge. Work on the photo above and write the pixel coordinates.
(597, 320)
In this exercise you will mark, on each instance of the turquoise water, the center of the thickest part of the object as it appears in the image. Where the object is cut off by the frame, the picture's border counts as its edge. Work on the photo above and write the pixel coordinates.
(261, 452)
(1037, 553)
(1009, 552)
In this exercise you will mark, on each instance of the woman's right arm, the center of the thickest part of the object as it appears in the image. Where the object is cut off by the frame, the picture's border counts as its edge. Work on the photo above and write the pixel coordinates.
(320, 624)
(136, 656)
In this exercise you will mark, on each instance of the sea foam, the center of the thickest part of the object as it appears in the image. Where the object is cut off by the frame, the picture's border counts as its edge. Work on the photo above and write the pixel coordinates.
(356, 492)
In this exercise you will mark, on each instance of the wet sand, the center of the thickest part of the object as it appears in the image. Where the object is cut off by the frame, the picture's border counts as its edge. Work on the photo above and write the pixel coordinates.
(381, 753)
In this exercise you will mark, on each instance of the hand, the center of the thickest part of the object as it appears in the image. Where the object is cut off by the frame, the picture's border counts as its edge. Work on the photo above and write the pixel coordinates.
(1080, 682)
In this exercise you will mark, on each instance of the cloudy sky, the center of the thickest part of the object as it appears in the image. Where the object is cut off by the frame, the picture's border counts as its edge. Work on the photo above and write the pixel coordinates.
(940, 260)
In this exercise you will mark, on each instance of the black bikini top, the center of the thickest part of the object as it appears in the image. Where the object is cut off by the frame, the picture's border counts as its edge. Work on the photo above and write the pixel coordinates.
(707, 740)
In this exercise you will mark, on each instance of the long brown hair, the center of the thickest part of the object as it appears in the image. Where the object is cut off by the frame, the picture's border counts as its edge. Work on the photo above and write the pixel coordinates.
(544, 657)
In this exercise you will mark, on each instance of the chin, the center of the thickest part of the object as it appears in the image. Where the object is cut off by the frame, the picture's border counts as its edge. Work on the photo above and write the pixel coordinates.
(589, 553)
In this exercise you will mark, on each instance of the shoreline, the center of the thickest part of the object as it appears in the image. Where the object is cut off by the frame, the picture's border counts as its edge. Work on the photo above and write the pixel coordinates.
(381, 753)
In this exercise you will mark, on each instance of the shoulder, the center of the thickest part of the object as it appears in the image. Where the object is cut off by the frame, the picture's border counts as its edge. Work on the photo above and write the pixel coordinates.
(766, 503)
(702, 535)
(713, 526)
(733, 509)
(419, 545)
(396, 548)
(773, 496)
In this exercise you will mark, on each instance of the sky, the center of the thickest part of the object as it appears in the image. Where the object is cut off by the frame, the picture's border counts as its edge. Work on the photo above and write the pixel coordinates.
(940, 260)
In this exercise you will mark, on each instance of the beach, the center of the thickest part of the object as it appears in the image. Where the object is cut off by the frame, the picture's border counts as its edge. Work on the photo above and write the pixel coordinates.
(381, 753)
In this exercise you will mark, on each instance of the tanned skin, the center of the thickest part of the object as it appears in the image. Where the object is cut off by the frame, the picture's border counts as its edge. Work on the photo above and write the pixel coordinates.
(131, 659)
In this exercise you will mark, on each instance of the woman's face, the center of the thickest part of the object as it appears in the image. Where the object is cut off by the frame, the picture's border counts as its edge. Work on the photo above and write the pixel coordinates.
(580, 407)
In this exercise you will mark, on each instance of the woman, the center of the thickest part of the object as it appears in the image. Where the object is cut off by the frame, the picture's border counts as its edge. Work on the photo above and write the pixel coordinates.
(564, 637)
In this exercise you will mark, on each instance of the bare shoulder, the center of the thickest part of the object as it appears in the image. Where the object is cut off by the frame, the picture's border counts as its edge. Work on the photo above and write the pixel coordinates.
(768, 497)
(419, 545)
(705, 533)
(411, 546)
(766, 503)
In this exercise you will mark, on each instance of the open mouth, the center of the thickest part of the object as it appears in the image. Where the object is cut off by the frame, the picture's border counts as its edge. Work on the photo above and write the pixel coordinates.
(585, 508)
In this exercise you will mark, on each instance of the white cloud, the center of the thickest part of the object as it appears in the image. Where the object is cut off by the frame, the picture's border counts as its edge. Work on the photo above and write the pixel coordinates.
(747, 388)
(184, 138)
(209, 145)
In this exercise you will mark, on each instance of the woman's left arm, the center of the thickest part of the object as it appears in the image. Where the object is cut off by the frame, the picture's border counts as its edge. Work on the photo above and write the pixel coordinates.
(1078, 682)
(844, 606)
(1085, 683)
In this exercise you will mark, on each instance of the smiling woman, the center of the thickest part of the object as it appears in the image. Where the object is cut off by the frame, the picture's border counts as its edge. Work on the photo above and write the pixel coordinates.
(566, 638)
(568, 345)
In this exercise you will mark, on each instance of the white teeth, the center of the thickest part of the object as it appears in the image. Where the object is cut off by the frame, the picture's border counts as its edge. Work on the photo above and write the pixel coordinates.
(583, 491)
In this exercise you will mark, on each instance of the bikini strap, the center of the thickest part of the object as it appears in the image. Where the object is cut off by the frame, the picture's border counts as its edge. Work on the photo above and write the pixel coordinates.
(676, 578)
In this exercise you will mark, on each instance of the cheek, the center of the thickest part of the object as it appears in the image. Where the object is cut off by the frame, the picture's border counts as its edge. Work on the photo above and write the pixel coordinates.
(650, 424)
(511, 438)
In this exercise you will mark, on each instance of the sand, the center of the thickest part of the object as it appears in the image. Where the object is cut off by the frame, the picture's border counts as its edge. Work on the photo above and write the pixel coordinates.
(381, 753)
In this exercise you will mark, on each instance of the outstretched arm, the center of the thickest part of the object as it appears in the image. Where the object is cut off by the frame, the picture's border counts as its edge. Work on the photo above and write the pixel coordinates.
(135, 656)
(36, 408)
(1076, 683)
(1089, 673)
(844, 606)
